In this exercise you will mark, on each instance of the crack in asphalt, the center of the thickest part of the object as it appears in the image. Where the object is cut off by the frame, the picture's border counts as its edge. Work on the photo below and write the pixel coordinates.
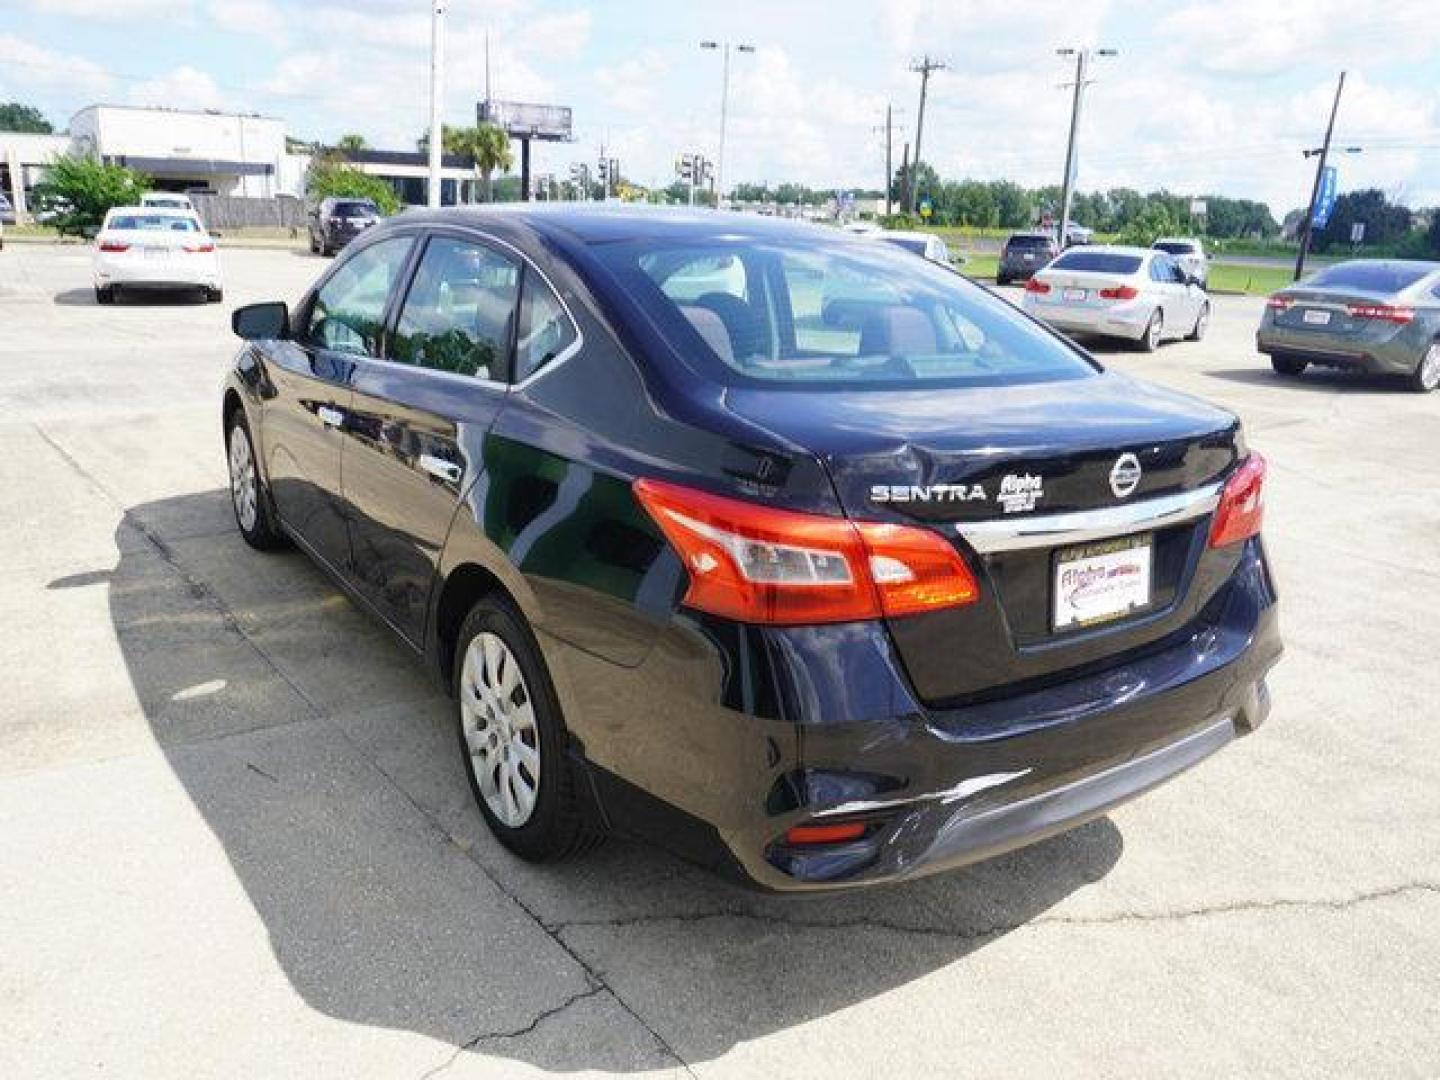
(514, 1033)
(998, 929)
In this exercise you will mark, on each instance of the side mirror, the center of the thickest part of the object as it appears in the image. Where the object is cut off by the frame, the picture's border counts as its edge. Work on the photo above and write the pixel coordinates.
(269, 321)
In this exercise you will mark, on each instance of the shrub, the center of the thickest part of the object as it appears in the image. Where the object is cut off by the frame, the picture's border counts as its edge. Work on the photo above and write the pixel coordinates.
(81, 190)
(329, 178)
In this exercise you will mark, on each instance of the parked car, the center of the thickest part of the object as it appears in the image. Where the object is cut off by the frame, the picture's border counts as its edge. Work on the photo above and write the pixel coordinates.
(822, 605)
(167, 200)
(1023, 254)
(1078, 234)
(1189, 253)
(7, 211)
(335, 222)
(926, 245)
(150, 247)
(1376, 315)
(1134, 293)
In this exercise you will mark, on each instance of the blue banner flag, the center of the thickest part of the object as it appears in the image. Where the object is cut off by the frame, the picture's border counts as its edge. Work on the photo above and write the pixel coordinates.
(1329, 181)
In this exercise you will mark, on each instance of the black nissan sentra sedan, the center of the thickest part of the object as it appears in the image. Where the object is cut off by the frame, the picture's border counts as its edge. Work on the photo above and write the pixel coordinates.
(807, 559)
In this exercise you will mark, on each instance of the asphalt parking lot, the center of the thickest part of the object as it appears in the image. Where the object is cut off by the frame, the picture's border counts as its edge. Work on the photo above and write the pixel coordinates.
(236, 839)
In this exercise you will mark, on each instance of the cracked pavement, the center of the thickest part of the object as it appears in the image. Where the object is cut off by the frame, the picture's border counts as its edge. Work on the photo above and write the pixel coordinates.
(235, 838)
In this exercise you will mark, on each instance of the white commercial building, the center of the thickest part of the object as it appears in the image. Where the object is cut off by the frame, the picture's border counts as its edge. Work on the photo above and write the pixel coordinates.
(178, 149)
(23, 160)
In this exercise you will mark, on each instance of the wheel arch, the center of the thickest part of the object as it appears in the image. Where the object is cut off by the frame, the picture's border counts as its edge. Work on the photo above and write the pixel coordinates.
(459, 591)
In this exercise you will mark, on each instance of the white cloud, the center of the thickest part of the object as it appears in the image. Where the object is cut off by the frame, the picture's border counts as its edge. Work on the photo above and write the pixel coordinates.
(25, 67)
(184, 87)
(258, 17)
(112, 9)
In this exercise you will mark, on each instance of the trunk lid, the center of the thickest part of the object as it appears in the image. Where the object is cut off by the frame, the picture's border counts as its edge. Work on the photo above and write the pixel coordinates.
(952, 457)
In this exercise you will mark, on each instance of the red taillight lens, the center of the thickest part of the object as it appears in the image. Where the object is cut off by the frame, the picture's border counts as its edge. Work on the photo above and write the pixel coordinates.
(1036, 286)
(758, 564)
(1120, 292)
(1384, 312)
(1280, 303)
(199, 249)
(1242, 504)
(113, 245)
(825, 834)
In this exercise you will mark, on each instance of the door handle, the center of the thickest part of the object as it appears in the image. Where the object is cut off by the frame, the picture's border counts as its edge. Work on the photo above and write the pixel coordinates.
(440, 468)
(330, 416)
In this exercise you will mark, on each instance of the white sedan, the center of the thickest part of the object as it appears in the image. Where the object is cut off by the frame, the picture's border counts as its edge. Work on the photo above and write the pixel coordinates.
(1134, 293)
(155, 248)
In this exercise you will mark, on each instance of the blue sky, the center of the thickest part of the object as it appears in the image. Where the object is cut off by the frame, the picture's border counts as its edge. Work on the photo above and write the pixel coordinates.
(1214, 95)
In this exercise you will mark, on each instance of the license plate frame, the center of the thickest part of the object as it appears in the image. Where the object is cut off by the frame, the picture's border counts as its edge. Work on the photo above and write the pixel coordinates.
(1315, 317)
(1101, 582)
(1075, 295)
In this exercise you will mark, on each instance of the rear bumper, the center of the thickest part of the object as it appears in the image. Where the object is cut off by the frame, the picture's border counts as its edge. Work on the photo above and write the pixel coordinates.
(1123, 320)
(1395, 356)
(169, 274)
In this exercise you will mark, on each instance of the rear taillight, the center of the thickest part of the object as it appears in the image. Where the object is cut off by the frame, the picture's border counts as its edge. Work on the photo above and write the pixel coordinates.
(838, 833)
(1280, 303)
(1036, 286)
(1242, 504)
(199, 249)
(758, 564)
(1120, 292)
(113, 245)
(1382, 312)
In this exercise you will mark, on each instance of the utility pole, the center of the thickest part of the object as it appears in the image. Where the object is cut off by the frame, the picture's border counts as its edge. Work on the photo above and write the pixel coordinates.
(889, 130)
(1067, 190)
(724, 103)
(909, 181)
(924, 67)
(1315, 190)
(437, 93)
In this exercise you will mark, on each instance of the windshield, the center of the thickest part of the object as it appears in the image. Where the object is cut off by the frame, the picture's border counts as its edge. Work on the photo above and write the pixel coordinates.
(850, 315)
(1176, 247)
(1028, 242)
(1097, 262)
(354, 209)
(153, 223)
(1377, 277)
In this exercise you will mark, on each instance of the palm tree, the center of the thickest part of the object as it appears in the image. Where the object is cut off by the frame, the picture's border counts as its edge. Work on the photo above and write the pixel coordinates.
(351, 142)
(486, 145)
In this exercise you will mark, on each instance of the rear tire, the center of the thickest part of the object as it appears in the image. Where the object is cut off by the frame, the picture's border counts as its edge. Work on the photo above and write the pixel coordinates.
(1288, 366)
(1150, 340)
(1202, 323)
(249, 498)
(314, 245)
(1426, 376)
(513, 739)
(104, 294)
(214, 296)
(1001, 279)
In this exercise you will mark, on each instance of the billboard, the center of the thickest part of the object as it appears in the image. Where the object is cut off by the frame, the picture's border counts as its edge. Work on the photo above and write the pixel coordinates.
(517, 119)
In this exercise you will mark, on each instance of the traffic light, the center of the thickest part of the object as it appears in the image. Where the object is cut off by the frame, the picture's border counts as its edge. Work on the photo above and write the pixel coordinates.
(604, 171)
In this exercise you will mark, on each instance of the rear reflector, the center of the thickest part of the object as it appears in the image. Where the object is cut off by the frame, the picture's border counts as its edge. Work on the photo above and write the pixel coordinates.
(113, 245)
(1242, 504)
(1120, 292)
(825, 834)
(759, 564)
(1036, 286)
(1383, 312)
(1280, 303)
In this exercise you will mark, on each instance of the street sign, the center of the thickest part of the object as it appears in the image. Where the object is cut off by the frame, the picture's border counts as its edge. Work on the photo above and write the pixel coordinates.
(926, 207)
(1197, 207)
(1357, 232)
(1325, 203)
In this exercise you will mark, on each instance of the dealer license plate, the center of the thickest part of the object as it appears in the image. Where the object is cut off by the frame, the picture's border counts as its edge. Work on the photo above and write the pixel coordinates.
(1316, 318)
(1102, 581)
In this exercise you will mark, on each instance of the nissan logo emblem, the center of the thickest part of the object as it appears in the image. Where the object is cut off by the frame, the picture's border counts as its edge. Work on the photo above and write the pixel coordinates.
(1125, 475)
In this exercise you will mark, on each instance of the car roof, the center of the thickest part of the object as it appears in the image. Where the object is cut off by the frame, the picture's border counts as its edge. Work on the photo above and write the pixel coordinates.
(1175, 240)
(903, 234)
(1426, 265)
(153, 211)
(1113, 249)
(1033, 234)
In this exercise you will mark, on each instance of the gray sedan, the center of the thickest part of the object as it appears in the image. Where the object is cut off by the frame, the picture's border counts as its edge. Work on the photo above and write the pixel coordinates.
(1376, 315)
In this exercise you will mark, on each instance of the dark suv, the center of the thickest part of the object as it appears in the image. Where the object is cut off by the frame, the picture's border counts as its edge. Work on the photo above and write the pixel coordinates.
(803, 556)
(1023, 254)
(335, 222)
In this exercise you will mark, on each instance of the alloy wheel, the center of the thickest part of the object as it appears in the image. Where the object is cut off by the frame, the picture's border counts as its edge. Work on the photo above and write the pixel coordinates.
(1429, 375)
(242, 479)
(498, 722)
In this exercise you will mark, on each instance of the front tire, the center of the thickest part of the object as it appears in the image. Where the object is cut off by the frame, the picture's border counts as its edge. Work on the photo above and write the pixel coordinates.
(1288, 366)
(104, 294)
(1426, 376)
(513, 739)
(1150, 339)
(1202, 324)
(248, 498)
(214, 296)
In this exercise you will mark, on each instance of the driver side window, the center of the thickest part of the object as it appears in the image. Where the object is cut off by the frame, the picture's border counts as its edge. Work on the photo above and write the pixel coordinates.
(349, 310)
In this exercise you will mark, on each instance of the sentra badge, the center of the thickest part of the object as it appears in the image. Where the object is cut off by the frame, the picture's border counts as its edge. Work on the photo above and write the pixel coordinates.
(893, 493)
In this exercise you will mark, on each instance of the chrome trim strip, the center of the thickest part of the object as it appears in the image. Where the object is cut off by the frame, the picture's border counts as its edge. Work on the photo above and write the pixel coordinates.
(1083, 526)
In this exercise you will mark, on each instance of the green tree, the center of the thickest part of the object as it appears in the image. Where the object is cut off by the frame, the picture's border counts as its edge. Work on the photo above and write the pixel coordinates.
(351, 142)
(1432, 236)
(331, 177)
(487, 147)
(15, 116)
(1154, 219)
(81, 190)
(1385, 222)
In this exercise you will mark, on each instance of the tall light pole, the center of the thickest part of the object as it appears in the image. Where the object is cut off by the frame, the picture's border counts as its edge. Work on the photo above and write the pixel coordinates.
(437, 93)
(724, 108)
(924, 67)
(1323, 153)
(1082, 68)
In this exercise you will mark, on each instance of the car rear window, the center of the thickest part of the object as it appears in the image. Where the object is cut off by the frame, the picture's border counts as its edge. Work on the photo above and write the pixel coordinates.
(153, 223)
(850, 315)
(1170, 247)
(1028, 242)
(354, 209)
(1371, 276)
(1098, 262)
(907, 243)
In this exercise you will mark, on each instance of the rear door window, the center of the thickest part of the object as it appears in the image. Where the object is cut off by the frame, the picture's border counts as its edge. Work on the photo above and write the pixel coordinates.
(459, 314)
(546, 332)
(348, 313)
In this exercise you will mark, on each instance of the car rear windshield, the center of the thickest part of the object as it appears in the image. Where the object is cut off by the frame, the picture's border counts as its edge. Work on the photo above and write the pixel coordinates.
(153, 223)
(832, 314)
(1370, 276)
(354, 209)
(1028, 242)
(908, 243)
(1098, 262)
(1172, 247)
